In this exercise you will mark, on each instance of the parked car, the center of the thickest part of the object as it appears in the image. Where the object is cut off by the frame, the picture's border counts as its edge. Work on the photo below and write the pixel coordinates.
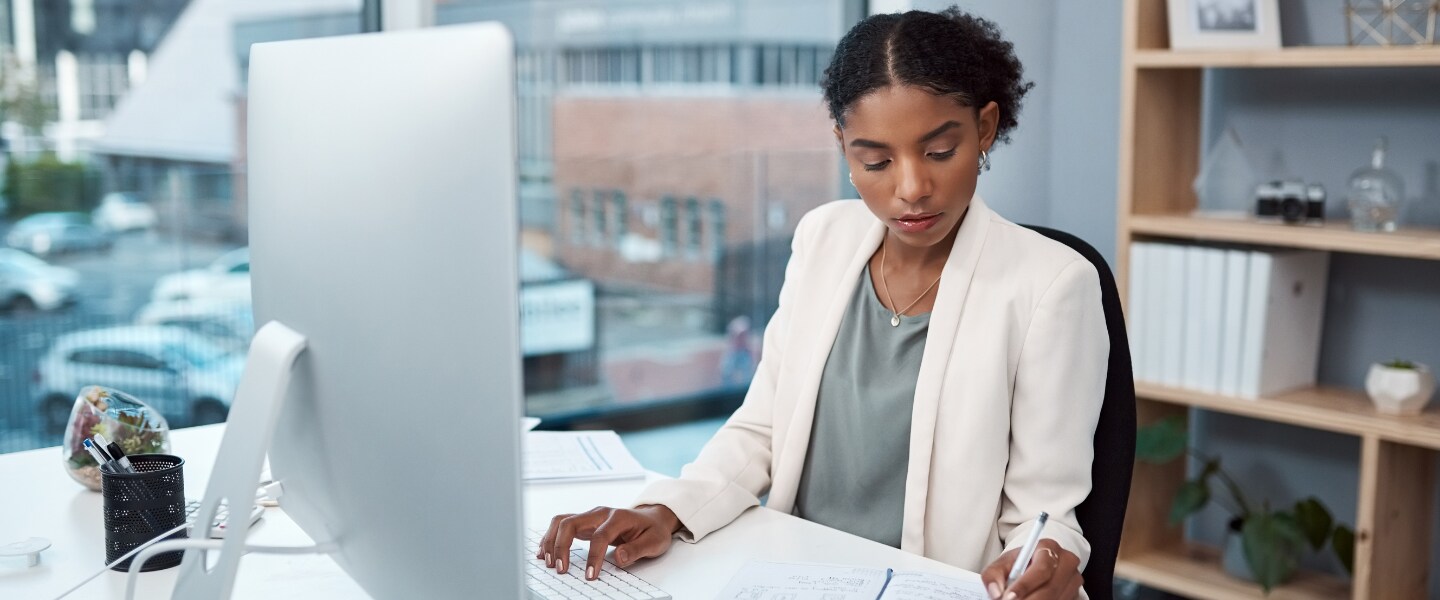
(28, 283)
(122, 211)
(44, 234)
(227, 278)
(229, 322)
(186, 376)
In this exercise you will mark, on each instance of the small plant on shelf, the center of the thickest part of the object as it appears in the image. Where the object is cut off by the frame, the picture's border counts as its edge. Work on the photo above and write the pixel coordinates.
(1272, 539)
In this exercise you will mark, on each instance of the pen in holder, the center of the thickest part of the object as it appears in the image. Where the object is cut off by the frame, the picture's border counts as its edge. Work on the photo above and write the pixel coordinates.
(142, 505)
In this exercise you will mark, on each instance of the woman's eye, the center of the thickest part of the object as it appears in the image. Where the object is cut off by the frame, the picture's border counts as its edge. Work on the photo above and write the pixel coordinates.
(943, 155)
(876, 166)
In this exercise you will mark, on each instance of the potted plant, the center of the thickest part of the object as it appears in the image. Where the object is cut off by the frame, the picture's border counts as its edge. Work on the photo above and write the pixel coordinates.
(1400, 387)
(1268, 541)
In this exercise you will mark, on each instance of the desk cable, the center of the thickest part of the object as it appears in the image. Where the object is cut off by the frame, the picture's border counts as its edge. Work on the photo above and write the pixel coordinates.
(265, 495)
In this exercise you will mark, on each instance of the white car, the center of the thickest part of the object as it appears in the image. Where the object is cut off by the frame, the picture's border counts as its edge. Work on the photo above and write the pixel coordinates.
(229, 322)
(185, 376)
(28, 283)
(227, 278)
(120, 211)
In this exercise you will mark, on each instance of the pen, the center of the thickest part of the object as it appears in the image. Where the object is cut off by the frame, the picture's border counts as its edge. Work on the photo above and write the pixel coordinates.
(100, 444)
(1027, 551)
(119, 457)
(100, 459)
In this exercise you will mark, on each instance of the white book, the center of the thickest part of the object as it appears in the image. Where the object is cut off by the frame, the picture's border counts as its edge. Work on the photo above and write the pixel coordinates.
(1211, 314)
(1156, 315)
(1232, 321)
(1284, 312)
(1192, 375)
(1135, 307)
(1174, 303)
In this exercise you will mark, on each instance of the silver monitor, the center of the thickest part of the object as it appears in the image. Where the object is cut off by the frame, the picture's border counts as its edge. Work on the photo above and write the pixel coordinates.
(383, 229)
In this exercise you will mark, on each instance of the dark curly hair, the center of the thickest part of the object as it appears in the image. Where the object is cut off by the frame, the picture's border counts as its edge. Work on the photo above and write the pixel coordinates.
(949, 53)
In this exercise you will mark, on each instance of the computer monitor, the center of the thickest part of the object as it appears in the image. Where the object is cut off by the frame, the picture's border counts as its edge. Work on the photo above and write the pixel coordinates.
(383, 229)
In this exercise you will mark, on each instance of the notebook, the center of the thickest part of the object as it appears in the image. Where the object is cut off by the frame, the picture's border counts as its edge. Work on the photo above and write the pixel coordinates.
(759, 580)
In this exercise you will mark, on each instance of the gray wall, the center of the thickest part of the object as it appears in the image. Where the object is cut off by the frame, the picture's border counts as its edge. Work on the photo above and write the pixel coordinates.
(1314, 124)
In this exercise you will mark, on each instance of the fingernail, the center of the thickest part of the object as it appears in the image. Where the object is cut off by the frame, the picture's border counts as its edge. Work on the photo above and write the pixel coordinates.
(590, 573)
(1010, 596)
(564, 565)
(549, 560)
(620, 556)
(994, 591)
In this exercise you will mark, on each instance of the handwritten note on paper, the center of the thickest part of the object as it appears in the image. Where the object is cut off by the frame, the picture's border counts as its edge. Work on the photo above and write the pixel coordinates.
(911, 585)
(788, 581)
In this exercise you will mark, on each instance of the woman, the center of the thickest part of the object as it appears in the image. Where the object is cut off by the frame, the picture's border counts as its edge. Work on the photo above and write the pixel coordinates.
(934, 373)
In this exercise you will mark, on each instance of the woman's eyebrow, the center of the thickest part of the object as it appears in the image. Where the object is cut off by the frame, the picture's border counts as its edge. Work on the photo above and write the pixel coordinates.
(947, 126)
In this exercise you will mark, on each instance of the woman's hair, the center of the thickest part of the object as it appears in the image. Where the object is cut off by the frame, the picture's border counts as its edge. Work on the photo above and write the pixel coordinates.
(949, 53)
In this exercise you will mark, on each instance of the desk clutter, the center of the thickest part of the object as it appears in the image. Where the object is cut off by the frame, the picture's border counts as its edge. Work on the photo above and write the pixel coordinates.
(141, 504)
(1235, 321)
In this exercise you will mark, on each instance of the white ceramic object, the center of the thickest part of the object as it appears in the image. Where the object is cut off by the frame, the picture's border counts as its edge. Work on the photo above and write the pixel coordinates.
(1400, 391)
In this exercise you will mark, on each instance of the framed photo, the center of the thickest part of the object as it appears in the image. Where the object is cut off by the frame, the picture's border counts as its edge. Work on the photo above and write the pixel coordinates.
(1223, 24)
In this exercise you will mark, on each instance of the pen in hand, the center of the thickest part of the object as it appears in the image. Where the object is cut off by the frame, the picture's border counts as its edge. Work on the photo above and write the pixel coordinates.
(1027, 551)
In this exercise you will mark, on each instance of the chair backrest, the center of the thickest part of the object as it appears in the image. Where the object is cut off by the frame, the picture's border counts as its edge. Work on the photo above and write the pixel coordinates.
(1102, 514)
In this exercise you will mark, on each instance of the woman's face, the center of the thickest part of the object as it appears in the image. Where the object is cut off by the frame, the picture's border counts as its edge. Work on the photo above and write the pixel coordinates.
(914, 157)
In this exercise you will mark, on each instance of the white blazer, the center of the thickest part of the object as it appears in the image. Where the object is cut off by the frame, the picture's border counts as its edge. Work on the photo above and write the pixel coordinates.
(1009, 391)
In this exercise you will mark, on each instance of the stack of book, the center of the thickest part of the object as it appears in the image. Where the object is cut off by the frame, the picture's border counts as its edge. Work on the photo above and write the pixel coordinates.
(1232, 321)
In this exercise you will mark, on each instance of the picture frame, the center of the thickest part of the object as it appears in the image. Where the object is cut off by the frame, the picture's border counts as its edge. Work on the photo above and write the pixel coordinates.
(1224, 24)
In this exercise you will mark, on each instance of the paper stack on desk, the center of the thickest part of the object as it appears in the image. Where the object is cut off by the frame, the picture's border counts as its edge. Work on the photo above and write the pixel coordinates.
(759, 580)
(571, 456)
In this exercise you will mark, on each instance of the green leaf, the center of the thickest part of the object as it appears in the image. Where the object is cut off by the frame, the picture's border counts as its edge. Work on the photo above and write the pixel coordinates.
(1190, 498)
(1162, 441)
(1314, 520)
(1343, 541)
(1272, 547)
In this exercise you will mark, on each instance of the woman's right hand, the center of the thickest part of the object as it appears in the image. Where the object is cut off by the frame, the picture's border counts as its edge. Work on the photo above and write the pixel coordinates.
(641, 532)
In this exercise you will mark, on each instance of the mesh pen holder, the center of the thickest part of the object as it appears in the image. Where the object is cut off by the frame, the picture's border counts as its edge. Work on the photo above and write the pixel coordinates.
(142, 505)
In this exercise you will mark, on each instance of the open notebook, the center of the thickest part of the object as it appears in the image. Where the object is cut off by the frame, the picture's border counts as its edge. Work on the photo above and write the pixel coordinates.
(759, 580)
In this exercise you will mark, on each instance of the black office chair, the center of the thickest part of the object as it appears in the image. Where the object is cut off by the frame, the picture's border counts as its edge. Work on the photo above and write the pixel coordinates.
(1102, 514)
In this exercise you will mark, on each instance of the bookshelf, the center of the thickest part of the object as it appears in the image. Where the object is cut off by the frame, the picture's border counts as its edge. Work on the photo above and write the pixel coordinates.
(1159, 156)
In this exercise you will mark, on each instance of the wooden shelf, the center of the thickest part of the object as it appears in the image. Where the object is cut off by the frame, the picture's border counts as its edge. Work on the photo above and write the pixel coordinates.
(1298, 57)
(1421, 243)
(1331, 409)
(1193, 570)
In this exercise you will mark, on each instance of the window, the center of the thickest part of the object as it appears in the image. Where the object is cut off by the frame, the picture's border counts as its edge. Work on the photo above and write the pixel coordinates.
(577, 216)
(692, 228)
(622, 222)
(601, 220)
(717, 229)
(177, 195)
(669, 227)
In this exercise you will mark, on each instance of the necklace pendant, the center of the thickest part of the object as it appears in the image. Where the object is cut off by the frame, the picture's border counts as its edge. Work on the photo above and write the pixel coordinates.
(895, 321)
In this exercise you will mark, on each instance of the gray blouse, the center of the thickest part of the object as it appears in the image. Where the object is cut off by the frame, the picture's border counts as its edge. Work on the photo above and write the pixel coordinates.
(854, 477)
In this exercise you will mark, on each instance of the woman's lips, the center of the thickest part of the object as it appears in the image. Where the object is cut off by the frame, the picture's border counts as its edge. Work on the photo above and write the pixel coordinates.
(917, 223)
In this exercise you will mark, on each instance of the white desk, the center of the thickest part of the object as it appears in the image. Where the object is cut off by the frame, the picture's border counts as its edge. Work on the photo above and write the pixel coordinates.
(38, 500)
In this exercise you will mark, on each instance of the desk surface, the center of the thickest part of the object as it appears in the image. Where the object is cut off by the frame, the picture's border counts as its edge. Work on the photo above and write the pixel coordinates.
(41, 501)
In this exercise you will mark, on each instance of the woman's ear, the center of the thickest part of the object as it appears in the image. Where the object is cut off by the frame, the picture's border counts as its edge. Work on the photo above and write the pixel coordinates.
(839, 139)
(987, 124)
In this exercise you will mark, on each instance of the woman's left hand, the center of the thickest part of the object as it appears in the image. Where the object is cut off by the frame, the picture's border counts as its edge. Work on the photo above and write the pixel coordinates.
(1053, 574)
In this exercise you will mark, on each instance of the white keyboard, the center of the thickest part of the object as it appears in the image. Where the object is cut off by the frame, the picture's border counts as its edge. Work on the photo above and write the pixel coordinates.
(614, 583)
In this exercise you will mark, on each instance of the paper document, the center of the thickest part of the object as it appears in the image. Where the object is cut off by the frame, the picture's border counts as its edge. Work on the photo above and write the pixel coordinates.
(568, 456)
(759, 580)
(528, 423)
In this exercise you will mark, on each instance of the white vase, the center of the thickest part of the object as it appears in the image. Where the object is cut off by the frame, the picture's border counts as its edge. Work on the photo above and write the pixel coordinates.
(1400, 391)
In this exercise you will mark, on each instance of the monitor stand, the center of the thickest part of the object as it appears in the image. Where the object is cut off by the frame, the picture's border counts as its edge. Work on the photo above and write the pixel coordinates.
(236, 475)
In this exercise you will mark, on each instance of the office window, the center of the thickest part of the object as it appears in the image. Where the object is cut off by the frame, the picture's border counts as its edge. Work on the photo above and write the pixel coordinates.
(717, 229)
(622, 215)
(669, 227)
(599, 216)
(674, 120)
(693, 231)
(155, 213)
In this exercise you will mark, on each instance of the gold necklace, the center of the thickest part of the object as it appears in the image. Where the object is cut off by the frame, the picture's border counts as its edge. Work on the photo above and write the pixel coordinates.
(895, 319)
